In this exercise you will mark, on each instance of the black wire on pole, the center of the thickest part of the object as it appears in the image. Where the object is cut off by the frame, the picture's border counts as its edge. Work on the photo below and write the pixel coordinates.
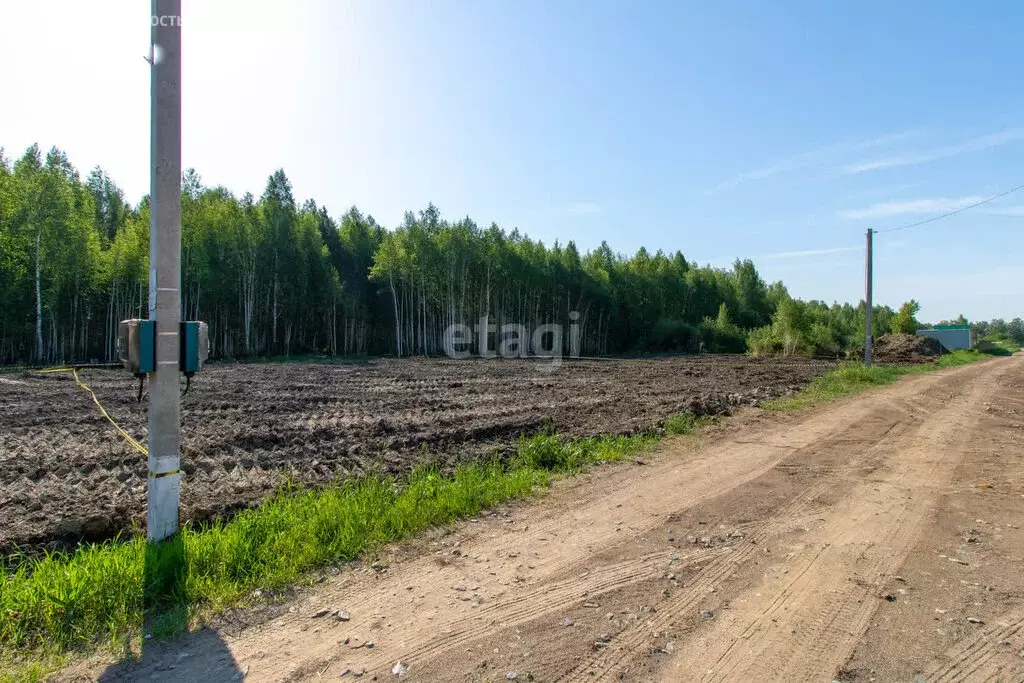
(951, 213)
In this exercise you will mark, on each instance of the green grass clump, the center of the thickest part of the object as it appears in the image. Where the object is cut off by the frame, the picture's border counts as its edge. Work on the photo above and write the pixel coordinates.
(111, 593)
(685, 423)
(951, 360)
(549, 452)
(853, 378)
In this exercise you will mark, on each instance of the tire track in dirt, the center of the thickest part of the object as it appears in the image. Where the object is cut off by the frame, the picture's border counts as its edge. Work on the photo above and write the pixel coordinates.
(994, 654)
(551, 599)
(554, 597)
(802, 633)
(796, 512)
(611, 661)
(692, 484)
(545, 600)
(958, 592)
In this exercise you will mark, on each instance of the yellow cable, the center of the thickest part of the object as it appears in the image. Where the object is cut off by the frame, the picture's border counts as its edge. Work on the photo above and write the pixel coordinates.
(127, 437)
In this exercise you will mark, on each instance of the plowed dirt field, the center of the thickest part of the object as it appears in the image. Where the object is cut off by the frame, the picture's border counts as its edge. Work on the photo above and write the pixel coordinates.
(66, 475)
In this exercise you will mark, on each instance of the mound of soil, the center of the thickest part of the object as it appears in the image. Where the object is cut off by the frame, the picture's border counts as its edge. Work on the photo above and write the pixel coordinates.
(905, 348)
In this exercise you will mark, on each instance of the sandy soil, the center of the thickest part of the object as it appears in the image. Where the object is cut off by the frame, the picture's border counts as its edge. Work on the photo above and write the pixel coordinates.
(872, 539)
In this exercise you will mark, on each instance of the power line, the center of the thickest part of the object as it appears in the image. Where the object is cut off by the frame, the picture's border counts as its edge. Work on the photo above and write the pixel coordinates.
(951, 213)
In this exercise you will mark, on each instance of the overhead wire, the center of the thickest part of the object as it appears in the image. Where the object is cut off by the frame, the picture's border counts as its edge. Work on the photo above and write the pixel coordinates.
(954, 212)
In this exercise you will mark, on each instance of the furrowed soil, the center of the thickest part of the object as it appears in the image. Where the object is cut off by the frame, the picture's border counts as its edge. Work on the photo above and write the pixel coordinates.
(65, 474)
(876, 538)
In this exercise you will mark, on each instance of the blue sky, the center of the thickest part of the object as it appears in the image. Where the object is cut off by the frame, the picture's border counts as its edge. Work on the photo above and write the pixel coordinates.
(776, 131)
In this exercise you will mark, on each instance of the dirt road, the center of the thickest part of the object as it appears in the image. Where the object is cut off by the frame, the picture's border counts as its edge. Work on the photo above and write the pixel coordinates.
(875, 538)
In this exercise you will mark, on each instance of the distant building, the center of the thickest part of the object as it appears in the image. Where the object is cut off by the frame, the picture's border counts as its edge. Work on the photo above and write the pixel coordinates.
(952, 337)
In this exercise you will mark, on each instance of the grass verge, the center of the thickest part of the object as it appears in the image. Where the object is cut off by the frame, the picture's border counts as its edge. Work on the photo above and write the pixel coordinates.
(854, 378)
(112, 593)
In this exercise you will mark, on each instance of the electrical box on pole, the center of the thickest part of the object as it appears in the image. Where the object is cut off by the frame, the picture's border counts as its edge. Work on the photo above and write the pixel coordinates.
(195, 346)
(136, 346)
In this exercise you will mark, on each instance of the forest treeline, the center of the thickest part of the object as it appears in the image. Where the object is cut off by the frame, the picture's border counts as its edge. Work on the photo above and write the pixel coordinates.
(272, 276)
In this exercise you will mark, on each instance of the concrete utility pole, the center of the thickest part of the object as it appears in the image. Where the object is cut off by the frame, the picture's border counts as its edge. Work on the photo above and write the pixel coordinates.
(867, 301)
(164, 485)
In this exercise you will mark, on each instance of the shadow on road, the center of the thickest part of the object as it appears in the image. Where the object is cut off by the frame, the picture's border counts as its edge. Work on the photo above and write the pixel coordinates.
(197, 656)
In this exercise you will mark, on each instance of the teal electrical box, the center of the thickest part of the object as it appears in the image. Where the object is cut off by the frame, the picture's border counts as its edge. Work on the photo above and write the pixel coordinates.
(195, 346)
(136, 346)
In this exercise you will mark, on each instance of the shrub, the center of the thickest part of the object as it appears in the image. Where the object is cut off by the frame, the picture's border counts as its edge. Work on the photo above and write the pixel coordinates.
(763, 342)
(673, 335)
(823, 340)
(722, 335)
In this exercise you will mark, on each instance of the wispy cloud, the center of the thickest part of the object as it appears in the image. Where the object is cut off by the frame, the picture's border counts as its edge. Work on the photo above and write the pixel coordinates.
(582, 208)
(1005, 211)
(975, 145)
(806, 252)
(809, 158)
(915, 206)
(886, 191)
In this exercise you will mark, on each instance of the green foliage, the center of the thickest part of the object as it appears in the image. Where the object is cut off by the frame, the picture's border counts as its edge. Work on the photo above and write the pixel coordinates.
(788, 333)
(853, 378)
(905, 322)
(823, 340)
(998, 345)
(951, 360)
(999, 338)
(789, 326)
(552, 453)
(685, 423)
(814, 328)
(721, 334)
(762, 342)
(275, 276)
